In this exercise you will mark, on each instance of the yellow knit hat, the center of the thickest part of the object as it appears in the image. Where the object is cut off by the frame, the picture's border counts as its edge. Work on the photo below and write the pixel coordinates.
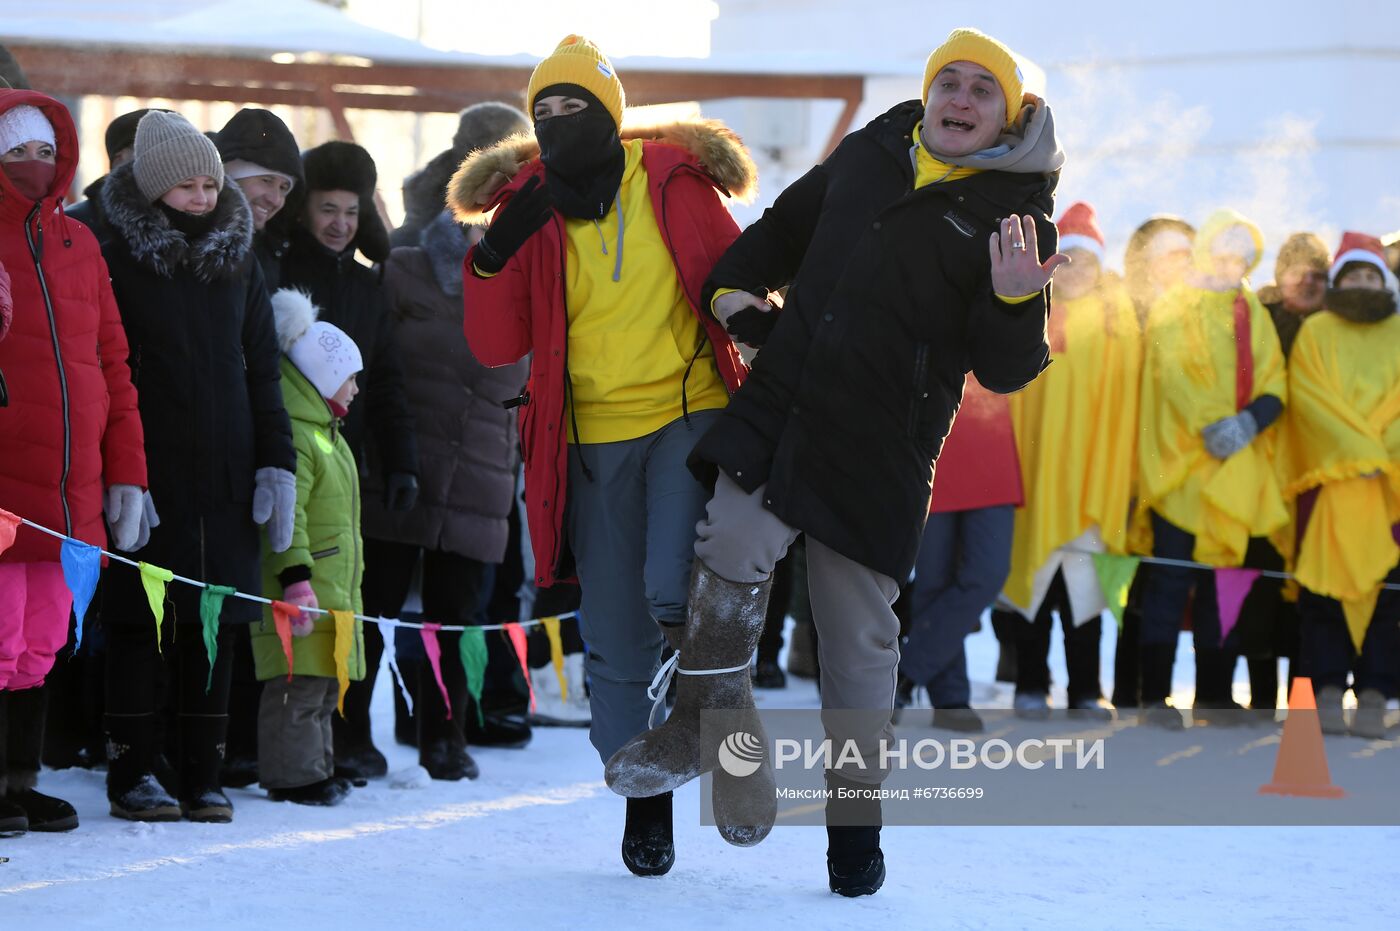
(578, 61)
(980, 49)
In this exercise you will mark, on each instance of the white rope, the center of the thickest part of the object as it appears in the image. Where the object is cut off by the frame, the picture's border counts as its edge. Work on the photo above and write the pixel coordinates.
(661, 682)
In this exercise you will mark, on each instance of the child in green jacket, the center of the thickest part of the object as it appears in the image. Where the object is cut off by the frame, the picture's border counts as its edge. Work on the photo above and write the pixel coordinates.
(322, 568)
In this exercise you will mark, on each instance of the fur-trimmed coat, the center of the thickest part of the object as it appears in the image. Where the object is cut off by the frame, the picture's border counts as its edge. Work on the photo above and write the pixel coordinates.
(204, 359)
(522, 310)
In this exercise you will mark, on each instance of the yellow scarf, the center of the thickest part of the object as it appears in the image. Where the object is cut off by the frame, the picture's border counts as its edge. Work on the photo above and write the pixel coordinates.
(1342, 435)
(1076, 433)
(928, 169)
(1188, 383)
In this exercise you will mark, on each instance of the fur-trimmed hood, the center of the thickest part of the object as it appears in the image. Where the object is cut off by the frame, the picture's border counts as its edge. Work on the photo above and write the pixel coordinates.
(445, 244)
(477, 182)
(153, 242)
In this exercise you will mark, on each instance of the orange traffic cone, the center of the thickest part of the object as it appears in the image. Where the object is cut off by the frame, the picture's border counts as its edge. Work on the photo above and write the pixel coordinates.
(1301, 767)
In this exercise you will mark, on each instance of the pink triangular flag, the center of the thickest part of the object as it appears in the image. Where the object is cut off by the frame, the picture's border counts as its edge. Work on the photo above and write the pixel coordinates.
(521, 644)
(434, 651)
(1231, 588)
(9, 526)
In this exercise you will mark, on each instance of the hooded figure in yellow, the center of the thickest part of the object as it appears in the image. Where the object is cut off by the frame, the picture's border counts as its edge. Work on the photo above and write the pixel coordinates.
(1076, 433)
(1213, 383)
(1343, 438)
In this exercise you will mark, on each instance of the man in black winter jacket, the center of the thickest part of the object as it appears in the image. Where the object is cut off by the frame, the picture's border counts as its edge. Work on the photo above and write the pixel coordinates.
(914, 255)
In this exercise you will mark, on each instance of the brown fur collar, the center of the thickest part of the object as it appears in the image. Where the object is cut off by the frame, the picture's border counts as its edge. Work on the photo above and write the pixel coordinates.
(721, 153)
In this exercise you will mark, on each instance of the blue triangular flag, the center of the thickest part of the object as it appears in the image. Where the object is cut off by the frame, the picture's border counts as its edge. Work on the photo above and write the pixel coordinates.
(81, 566)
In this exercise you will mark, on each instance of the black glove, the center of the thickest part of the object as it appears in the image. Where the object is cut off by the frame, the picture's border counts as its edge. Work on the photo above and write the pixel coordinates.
(516, 222)
(752, 326)
(401, 493)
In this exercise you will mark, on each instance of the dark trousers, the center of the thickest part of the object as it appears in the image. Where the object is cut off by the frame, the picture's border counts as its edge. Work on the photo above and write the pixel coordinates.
(1169, 590)
(454, 592)
(1327, 653)
(964, 559)
(1081, 646)
(770, 642)
(244, 697)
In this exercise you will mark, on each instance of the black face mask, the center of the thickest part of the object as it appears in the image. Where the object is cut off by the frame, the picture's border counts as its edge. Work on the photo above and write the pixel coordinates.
(584, 160)
(192, 226)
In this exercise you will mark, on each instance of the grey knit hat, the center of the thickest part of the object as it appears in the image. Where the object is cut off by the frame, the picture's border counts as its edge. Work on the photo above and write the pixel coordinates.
(170, 150)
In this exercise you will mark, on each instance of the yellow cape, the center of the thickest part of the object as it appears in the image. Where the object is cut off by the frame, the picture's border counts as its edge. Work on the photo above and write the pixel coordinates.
(1076, 431)
(1189, 383)
(1342, 435)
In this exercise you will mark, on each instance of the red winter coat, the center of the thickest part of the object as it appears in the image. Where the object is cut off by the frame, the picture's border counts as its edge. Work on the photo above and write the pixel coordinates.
(979, 467)
(5, 306)
(522, 309)
(72, 428)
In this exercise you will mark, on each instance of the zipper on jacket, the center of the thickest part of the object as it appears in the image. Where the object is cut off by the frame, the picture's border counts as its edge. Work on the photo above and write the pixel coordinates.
(920, 393)
(558, 555)
(35, 240)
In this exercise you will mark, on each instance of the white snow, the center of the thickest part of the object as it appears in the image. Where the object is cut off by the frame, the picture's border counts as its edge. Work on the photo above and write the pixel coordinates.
(534, 843)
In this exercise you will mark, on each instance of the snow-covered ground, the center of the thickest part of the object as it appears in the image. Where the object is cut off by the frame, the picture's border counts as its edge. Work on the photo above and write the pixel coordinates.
(533, 844)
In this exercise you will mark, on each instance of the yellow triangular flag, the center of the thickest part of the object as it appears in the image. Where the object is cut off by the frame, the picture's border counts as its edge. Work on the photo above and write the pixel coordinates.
(1359, 614)
(556, 652)
(344, 642)
(154, 579)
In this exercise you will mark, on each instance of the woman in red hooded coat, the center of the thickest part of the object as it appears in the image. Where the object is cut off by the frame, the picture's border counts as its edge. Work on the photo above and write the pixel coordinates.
(71, 433)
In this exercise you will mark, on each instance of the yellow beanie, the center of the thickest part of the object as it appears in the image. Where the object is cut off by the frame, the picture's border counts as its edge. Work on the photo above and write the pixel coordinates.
(980, 49)
(578, 61)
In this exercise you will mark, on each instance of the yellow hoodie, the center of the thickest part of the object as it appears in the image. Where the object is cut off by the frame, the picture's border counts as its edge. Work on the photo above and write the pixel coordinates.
(631, 340)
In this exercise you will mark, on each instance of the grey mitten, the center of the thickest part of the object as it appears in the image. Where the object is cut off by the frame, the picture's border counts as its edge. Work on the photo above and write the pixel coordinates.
(149, 520)
(124, 512)
(1229, 435)
(275, 504)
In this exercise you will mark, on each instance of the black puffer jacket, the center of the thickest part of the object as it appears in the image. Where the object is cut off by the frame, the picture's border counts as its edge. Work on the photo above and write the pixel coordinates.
(466, 436)
(379, 428)
(891, 304)
(205, 363)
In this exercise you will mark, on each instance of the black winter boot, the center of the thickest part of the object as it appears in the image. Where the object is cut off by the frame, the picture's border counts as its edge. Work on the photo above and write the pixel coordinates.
(13, 820)
(1263, 682)
(202, 743)
(132, 788)
(24, 747)
(406, 721)
(1156, 677)
(1214, 702)
(855, 864)
(648, 846)
(356, 756)
(324, 793)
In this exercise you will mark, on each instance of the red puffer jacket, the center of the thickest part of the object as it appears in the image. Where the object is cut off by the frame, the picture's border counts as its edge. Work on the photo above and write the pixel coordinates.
(979, 467)
(522, 309)
(72, 428)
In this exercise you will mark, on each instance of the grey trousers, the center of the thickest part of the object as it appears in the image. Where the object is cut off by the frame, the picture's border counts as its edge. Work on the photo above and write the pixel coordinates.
(631, 523)
(294, 731)
(857, 631)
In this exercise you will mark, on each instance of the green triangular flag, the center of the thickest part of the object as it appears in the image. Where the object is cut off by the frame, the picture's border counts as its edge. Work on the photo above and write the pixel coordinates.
(472, 648)
(154, 579)
(211, 603)
(1115, 578)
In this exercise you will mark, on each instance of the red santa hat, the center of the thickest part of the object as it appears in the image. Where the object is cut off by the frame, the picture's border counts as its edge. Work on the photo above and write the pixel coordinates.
(1360, 247)
(1079, 229)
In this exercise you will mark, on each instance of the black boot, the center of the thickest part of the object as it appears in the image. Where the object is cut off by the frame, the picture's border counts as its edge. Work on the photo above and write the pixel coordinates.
(442, 747)
(1156, 677)
(325, 793)
(505, 731)
(1214, 702)
(648, 847)
(24, 748)
(406, 721)
(240, 766)
(13, 820)
(202, 742)
(855, 864)
(1263, 682)
(132, 788)
(769, 675)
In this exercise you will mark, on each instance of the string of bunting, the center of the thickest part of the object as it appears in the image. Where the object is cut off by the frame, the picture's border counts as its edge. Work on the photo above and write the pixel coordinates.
(1232, 586)
(82, 565)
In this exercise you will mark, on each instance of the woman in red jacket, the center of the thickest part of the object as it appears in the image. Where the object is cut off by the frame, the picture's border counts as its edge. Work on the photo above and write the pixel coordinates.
(594, 262)
(70, 433)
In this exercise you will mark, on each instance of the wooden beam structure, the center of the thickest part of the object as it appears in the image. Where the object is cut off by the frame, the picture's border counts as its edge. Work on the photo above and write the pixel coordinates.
(340, 84)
